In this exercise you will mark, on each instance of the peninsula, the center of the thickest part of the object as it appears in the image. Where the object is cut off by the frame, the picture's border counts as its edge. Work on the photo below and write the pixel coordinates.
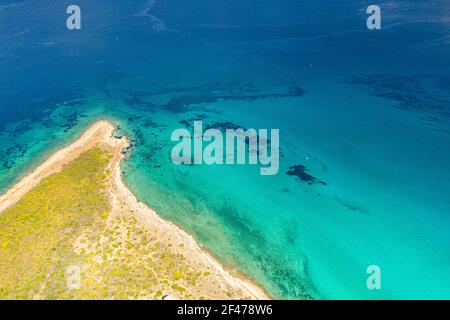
(71, 229)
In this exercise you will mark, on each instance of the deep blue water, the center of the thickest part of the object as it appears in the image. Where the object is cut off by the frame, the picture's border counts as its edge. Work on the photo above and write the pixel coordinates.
(365, 112)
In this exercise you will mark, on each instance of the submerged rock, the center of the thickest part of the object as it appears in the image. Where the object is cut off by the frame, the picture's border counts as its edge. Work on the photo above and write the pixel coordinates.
(300, 171)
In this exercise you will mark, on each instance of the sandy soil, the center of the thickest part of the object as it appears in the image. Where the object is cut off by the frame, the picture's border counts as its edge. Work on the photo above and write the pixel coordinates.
(97, 133)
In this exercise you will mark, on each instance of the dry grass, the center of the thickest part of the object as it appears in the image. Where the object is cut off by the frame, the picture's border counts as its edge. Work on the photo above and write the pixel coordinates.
(67, 222)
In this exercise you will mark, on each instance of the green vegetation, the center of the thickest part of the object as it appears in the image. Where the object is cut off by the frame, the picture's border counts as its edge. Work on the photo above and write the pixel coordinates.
(37, 233)
(63, 240)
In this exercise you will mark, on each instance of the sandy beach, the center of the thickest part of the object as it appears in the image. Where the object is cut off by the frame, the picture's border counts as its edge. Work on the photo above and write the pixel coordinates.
(124, 203)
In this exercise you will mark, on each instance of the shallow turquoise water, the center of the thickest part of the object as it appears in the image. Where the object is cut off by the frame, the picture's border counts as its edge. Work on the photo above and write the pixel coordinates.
(366, 113)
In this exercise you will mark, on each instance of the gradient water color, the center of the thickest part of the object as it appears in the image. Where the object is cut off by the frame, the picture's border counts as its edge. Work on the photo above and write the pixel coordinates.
(364, 114)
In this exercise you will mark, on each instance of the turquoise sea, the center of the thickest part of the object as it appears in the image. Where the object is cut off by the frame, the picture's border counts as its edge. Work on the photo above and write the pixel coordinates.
(364, 119)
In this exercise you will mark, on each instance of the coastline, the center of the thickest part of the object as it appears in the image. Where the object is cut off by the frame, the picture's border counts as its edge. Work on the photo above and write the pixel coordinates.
(121, 197)
(95, 134)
